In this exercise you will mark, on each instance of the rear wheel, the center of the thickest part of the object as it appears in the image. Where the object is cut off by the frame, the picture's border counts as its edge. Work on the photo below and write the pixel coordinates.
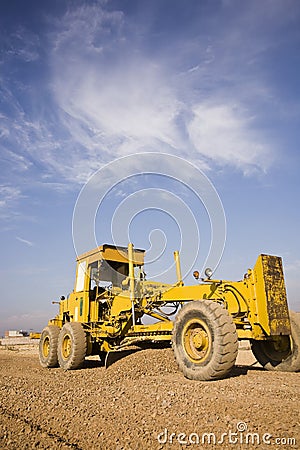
(204, 340)
(48, 346)
(72, 346)
(282, 353)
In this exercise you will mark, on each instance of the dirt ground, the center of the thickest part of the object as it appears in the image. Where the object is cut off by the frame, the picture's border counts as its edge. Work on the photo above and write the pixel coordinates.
(143, 402)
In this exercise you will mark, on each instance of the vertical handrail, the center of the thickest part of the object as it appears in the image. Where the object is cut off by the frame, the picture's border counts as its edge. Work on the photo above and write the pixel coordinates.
(131, 279)
(178, 267)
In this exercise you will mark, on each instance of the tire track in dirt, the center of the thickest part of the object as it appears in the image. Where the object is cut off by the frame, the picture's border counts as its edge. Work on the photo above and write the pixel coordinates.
(37, 429)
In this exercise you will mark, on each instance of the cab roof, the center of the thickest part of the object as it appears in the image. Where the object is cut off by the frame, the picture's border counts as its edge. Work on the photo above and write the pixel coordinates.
(112, 253)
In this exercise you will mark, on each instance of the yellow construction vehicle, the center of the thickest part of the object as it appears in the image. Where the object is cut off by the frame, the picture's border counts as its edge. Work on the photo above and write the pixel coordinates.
(34, 335)
(111, 297)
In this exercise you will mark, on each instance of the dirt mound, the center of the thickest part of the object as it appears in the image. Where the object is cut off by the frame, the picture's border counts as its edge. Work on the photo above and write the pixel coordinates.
(143, 402)
(142, 363)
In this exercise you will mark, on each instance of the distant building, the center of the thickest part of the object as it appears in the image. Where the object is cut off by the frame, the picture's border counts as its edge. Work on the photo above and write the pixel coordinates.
(15, 333)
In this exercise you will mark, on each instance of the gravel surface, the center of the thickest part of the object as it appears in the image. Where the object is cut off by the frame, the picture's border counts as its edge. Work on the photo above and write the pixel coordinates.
(139, 401)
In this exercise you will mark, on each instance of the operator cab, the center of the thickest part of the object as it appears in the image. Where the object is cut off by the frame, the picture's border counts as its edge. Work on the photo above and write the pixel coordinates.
(104, 268)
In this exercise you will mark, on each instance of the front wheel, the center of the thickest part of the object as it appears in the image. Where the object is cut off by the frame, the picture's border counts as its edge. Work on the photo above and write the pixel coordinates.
(48, 346)
(72, 346)
(281, 353)
(204, 340)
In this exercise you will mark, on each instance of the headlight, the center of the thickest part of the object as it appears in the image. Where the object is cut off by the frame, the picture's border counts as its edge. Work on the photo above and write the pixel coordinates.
(196, 274)
(208, 272)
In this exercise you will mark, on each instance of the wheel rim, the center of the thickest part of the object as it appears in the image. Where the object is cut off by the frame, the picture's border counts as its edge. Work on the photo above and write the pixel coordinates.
(197, 340)
(46, 347)
(66, 346)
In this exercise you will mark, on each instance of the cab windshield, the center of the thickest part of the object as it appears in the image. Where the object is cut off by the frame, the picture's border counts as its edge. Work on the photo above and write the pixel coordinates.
(105, 273)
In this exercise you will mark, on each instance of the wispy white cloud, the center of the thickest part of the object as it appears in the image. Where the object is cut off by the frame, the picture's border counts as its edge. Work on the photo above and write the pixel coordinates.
(135, 104)
(25, 241)
(223, 133)
(16, 161)
(9, 196)
(111, 95)
(117, 100)
(22, 44)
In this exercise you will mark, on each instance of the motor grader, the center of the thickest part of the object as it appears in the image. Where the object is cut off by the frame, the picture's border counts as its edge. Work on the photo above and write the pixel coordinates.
(106, 313)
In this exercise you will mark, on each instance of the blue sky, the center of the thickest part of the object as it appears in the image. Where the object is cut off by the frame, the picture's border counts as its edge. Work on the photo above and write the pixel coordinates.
(85, 82)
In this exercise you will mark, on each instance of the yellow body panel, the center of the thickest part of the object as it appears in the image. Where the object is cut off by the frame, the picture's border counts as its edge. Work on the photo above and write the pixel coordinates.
(270, 295)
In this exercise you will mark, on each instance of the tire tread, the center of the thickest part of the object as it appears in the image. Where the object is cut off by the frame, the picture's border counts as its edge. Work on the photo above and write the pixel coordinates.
(79, 346)
(51, 331)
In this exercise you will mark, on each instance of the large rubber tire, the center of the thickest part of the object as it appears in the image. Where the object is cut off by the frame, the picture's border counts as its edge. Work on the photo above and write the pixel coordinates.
(204, 340)
(48, 346)
(72, 346)
(283, 352)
